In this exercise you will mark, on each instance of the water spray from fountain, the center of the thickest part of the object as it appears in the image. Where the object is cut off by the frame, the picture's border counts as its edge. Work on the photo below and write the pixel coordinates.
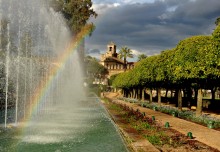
(32, 39)
(41, 85)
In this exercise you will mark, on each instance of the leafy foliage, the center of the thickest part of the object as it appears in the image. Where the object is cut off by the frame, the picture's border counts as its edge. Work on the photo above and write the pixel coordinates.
(76, 12)
(141, 57)
(195, 60)
(112, 78)
(216, 33)
(95, 69)
(189, 58)
(217, 21)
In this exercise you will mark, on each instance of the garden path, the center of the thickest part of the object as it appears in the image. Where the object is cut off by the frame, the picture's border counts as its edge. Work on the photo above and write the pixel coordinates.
(200, 133)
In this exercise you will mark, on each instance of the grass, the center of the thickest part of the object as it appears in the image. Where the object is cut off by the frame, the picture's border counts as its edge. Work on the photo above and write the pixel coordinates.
(140, 126)
(115, 107)
(154, 139)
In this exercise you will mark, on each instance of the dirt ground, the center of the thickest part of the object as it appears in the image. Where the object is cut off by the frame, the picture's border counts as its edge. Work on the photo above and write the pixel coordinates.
(173, 141)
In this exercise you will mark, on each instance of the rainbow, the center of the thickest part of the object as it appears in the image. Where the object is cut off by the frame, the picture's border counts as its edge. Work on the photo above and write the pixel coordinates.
(45, 84)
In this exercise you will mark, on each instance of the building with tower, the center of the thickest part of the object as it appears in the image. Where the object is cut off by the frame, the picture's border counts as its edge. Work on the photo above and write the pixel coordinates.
(111, 60)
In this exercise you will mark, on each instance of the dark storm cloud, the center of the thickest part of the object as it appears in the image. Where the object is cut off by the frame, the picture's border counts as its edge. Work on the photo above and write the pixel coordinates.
(95, 51)
(152, 27)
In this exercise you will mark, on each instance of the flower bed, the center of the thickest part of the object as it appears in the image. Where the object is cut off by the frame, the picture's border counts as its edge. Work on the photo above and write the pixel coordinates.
(162, 137)
(204, 119)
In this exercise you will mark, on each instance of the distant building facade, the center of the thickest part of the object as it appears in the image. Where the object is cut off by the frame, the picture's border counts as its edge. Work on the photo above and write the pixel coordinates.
(111, 60)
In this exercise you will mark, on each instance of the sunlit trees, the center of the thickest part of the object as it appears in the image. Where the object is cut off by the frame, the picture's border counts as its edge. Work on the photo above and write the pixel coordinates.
(123, 81)
(193, 65)
(190, 68)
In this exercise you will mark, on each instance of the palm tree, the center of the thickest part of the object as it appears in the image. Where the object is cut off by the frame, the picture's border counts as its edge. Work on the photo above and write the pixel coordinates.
(125, 53)
(141, 57)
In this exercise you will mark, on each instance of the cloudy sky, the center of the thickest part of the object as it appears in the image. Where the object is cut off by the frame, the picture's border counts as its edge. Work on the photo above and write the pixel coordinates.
(150, 26)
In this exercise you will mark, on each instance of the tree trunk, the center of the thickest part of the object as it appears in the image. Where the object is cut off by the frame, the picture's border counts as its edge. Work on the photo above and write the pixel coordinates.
(180, 99)
(189, 94)
(123, 92)
(171, 93)
(159, 96)
(213, 90)
(139, 93)
(126, 93)
(184, 93)
(130, 93)
(166, 93)
(125, 66)
(136, 93)
(133, 94)
(143, 93)
(151, 96)
(199, 103)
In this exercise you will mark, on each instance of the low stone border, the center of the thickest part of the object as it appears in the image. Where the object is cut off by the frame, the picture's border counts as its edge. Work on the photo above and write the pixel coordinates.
(134, 146)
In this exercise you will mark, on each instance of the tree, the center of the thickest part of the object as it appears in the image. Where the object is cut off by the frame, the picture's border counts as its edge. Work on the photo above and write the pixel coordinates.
(216, 33)
(141, 57)
(196, 65)
(217, 21)
(112, 78)
(123, 81)
(125, 53)
(94, 69)
(76, 12)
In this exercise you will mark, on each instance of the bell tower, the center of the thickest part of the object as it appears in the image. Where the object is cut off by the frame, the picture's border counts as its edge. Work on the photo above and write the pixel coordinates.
(111, 49)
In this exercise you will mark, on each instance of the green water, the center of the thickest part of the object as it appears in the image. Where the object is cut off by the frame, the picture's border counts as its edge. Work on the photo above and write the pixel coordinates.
(81, 127)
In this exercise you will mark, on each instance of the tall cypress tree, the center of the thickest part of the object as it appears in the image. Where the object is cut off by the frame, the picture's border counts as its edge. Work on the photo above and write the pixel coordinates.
(76, 12)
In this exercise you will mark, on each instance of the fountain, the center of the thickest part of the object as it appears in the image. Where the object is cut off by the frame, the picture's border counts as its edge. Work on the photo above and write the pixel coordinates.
(43, 105)
(26, 48)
